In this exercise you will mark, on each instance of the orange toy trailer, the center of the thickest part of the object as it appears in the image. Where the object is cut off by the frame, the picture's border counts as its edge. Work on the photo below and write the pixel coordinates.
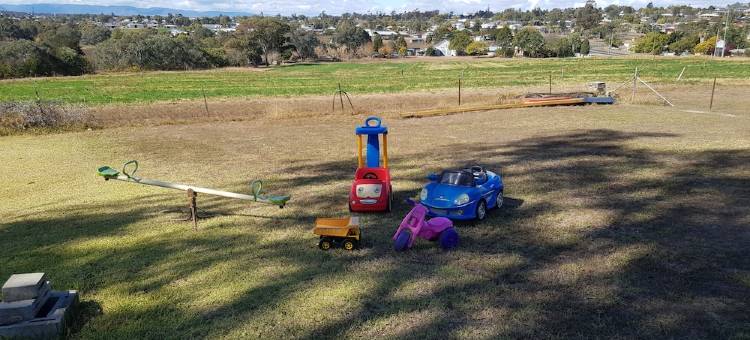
(341, 232)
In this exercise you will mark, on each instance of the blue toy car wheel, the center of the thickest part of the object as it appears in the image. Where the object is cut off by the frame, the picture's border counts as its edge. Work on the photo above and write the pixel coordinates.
(481, 211)
(499, 199)
(402, 241)
(448, 239)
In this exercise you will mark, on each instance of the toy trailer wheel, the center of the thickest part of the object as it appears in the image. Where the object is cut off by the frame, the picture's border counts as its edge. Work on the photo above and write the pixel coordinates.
(325, 244)
(348, 244)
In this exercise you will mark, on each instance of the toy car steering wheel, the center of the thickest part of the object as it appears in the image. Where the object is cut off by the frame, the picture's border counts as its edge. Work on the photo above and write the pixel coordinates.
(370, 175)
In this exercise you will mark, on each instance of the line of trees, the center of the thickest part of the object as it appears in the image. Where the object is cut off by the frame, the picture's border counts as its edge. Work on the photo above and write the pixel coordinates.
(28, 49)
(689, 41)
(48, 47)
(528, 40)
(73, 45)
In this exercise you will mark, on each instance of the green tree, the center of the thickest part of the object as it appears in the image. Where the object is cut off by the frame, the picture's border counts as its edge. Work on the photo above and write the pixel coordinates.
(69, 61)
(161, 52)
(736, 36)
(685, 44)
(401, 42)
(350, 35)
(242, 51)
(145, 49)
(92, 34)
(12, 30)
(459, 41)
(377, 42)
(476, 48)
(530, 41)
(225, 21)
(444, 31)
(267, 33)
(575, 42)
(706, 47)
(652, 42)
(23, 58)
(401, 46)
(199, 32)
(613, 11)
(60, 36)
(585, 47)
(558, 47)
(504, 41)
(588, 17)
(304, 43)
(477, 26)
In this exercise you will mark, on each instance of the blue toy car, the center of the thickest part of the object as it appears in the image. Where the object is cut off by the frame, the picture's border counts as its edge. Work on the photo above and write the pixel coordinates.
(463, 194)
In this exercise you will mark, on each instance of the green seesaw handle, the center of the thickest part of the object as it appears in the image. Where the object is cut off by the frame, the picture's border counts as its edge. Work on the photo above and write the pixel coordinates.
(125, 168)
(256, 187)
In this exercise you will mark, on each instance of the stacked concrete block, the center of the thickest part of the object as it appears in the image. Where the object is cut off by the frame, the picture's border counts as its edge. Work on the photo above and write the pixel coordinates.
(31, 309)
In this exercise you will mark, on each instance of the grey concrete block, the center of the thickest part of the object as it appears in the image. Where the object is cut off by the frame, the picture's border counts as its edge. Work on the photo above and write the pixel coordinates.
(52, 321)
(17, 311)
(23, 286)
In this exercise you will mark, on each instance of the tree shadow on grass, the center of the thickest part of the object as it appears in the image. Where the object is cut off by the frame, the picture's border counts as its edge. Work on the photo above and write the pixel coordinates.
(676, 219)
(613, 239)
(663, 261)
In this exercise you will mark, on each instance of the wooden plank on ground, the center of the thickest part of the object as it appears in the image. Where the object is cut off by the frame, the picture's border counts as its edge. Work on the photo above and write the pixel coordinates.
(455, 110)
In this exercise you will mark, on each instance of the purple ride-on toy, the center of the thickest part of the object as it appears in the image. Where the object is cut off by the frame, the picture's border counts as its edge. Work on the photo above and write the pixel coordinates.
(416, 224)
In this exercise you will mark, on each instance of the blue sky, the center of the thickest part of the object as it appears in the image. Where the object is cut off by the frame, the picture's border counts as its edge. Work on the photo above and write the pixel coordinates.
(362, 6)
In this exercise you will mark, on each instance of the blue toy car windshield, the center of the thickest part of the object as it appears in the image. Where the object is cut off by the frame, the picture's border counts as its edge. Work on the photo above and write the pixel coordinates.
(457, 178)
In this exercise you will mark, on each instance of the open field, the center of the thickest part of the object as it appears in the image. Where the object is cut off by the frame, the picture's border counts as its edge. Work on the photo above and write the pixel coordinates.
(626, 221)
(363, 78)
(730, 98)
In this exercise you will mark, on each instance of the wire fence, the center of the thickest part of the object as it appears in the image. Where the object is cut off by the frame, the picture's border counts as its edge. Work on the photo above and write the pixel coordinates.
(200, 94)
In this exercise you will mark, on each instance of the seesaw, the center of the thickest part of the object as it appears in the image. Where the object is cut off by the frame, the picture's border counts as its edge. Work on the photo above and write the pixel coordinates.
(256, 188)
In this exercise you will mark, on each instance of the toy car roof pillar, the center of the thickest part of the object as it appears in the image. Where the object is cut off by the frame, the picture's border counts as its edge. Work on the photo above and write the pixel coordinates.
(372, 129)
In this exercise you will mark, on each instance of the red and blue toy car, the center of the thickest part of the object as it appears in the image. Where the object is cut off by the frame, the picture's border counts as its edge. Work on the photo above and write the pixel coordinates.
(371, 190)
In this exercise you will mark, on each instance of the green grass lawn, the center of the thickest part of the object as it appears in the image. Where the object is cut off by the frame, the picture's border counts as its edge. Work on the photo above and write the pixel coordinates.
(622, 222)
(360, 78)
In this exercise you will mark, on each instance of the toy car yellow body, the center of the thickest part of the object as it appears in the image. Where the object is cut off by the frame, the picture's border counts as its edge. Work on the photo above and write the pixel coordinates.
(341, 232)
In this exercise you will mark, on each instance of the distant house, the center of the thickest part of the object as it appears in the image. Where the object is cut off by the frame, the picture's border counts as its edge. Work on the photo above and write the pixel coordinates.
(175, 32)
(384, 34)
(668, 28)
(444, 47)
(711, 15)
(213, 27)
(415, 38)
(489, 25)
(414, 48)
